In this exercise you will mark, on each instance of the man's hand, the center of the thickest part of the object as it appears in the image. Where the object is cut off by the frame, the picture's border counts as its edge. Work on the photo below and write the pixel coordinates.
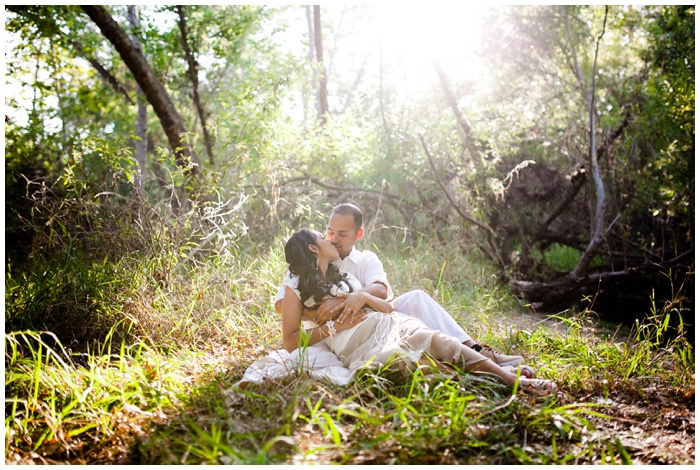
(327, 310)
(354, 302)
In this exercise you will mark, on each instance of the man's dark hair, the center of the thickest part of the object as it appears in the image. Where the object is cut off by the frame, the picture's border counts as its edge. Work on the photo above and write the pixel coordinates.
(349, 209)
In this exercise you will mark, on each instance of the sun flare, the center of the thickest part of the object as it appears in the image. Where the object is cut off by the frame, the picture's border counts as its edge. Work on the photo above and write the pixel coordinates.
(417, 34)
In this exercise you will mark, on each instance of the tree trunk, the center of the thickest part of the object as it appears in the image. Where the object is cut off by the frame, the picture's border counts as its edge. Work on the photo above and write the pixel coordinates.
(154, 90)
(598, 229)
(322, 86)
(141, 146)
(311, 59)
(469, 144)
(192, 71)
(353, 87)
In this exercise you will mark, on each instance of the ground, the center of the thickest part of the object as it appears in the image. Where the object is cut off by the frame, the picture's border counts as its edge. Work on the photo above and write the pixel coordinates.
(654, 421)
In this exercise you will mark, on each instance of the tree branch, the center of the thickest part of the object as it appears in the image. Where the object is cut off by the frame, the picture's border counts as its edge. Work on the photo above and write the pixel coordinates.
(468, 143)
(192, 73)
(567, 285)
(323, 86)
(492, 252)
(104, 73)
(580, 178)
(141, 144)
(353, 87)
(158, 97)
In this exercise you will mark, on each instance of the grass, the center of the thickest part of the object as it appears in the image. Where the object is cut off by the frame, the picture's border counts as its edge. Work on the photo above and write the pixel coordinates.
(563, 258)
(158, 387)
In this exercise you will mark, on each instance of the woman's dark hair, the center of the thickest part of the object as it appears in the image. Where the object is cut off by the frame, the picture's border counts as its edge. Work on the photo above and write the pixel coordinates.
(302, 263)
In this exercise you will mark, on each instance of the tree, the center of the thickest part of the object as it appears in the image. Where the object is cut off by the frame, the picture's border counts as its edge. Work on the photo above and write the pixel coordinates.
(141, 146)
(578, 105)
(597, 188)
(323, 80)
(154, 90)
(192, 74)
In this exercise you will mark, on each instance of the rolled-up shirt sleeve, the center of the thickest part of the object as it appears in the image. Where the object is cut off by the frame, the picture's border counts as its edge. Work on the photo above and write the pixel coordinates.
(371, 270)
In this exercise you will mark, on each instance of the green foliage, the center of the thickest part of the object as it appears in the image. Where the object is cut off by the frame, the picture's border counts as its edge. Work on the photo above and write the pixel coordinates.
(61, 405)
(667, 101)
(563, 258)
(51, 47)
(138, 401)
(99, 258)
(129, 323)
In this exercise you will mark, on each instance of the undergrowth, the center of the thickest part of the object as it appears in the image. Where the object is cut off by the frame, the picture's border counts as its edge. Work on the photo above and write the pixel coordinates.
(130, 353)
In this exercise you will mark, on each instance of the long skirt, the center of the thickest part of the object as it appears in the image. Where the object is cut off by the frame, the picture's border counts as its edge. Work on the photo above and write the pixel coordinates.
(396, 336)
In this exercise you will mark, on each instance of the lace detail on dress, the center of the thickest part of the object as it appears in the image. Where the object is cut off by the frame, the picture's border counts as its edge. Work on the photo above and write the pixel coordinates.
(336, 289)
(385, 332)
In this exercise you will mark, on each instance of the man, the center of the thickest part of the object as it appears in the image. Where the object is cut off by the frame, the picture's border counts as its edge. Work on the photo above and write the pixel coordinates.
(344, 229)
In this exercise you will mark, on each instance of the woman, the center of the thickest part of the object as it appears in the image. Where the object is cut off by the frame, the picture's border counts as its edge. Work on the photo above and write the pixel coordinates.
(381, 334)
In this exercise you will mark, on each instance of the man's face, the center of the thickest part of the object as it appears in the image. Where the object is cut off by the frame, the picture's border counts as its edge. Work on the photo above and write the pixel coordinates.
(342, 233)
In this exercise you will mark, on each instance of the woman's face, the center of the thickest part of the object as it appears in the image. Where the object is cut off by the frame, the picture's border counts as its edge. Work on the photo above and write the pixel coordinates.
(326, 250)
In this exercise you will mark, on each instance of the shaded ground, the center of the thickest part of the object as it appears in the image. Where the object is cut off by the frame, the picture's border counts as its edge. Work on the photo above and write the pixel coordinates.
(654, 421)
(655, 431)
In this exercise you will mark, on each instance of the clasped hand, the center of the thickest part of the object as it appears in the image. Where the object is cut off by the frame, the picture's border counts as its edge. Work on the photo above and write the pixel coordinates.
(345, 307)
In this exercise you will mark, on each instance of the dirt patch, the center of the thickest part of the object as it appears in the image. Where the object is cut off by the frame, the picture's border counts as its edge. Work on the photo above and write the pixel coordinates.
(653, 433)
(654, 421)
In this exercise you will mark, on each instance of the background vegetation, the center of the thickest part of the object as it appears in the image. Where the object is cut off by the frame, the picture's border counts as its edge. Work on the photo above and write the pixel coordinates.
(139, 273)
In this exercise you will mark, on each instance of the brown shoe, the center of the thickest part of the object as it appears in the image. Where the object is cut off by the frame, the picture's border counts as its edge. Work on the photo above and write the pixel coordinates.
(500, 359)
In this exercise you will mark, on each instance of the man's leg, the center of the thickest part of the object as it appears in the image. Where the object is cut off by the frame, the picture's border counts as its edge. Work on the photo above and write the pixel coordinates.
(419, 304)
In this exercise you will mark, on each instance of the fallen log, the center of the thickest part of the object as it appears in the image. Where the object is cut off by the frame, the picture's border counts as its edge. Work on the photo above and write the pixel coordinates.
(569, 289)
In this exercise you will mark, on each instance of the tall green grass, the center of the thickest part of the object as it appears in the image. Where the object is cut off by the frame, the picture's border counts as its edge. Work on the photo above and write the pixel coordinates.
(171, 333)
(82, 408)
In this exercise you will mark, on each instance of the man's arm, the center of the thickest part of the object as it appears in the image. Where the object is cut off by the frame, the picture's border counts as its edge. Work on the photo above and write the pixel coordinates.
(377, 289)
(356, 300)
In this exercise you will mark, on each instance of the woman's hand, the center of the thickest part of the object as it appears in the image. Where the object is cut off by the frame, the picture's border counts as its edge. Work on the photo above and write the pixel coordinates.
(353, 303)
(353, 320)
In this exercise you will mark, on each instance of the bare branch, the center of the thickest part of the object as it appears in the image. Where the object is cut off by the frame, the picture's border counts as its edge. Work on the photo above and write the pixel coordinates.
(193, 75)
(353, 87)
(598, 232)
(491, 251)
(141, 144)
(468, 144)
(452, 202)
(323, 87)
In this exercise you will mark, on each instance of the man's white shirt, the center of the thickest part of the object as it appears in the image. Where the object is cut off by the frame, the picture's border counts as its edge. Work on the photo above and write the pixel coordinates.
(364, 265)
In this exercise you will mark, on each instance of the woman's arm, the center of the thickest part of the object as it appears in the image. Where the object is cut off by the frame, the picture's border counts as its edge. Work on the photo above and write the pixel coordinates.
(291, 320)
(291, 323)
(371, 301)
(333, 308)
